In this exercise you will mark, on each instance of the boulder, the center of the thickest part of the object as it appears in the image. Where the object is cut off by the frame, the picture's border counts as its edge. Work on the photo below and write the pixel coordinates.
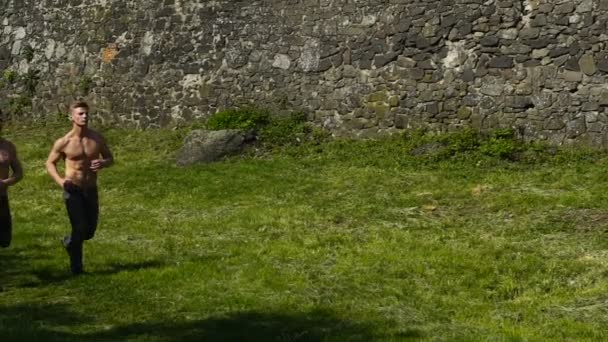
(204, 146)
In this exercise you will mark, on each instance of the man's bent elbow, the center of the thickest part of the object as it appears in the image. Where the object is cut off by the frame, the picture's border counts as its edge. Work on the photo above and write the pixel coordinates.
(50, 167)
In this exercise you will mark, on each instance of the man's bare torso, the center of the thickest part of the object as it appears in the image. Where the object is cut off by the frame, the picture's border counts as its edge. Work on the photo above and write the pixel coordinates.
(6, 158)
(78, 152)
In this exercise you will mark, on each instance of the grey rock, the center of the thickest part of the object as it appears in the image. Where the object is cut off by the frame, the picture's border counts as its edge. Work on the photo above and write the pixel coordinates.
(416, 74)
(204, 146)
(543, 100)
(489, 41)
(529, 33)
(557, 52)
(572, 64)
(603, 100)
(539, 43)
(590, 106)
(426, 65)
(602, 64)
(382, 60)
(587, 64)
(520, 102)
(554, 124)
(539, 21)
(565, 8)
(405, 62)
(401, 121)
(495, 88)
(468, 75)
(585, 6)
(575, 127)
(501, 62)
(574, 48)
(432, 108)
(540, 53)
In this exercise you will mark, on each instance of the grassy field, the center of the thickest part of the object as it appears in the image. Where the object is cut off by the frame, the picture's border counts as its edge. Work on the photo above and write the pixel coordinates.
(345, 241)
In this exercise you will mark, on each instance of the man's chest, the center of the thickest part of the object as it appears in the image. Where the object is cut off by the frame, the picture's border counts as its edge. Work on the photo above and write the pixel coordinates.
(81, 148)
(5, 157)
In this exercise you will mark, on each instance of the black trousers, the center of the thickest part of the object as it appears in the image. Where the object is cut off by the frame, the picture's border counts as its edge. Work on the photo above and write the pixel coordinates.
(83, 211)
(6, 223)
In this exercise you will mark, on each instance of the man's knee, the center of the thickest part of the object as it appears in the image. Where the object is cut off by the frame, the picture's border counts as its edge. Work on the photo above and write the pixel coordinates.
(90, 233)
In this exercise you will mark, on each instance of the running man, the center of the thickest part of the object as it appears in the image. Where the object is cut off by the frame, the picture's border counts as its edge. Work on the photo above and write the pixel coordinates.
(8, 162)
(85, 152)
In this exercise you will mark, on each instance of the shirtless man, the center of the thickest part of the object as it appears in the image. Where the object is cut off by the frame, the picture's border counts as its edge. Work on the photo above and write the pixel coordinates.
(85, 152)
(8, 162)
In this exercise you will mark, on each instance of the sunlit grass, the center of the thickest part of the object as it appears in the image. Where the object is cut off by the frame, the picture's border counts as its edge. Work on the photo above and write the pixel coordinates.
(339, 241)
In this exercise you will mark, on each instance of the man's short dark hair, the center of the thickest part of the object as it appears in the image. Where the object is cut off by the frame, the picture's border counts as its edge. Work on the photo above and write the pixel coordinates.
(78, 104)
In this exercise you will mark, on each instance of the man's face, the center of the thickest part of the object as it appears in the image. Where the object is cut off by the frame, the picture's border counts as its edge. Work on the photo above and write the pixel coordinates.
(80, 116)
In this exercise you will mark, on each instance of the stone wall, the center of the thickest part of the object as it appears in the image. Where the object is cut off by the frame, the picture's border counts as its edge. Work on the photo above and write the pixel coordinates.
(359, 67)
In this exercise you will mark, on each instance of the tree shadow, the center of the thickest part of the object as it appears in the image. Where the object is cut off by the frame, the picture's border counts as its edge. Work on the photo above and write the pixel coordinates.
(58, 323)
(249, 326)
(33, 322)
(15, 267)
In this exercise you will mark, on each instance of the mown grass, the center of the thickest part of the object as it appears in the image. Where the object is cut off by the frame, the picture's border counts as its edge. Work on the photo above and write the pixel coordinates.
(340, 241)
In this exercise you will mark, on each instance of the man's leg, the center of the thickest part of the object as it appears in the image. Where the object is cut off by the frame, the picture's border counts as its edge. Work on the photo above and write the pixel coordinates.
(6, 224)
(75, 204)
(92, 212)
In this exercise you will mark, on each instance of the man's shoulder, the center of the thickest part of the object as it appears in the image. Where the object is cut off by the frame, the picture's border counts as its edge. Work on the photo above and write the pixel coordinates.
(95, 135)
(62, 141)
(6, 144)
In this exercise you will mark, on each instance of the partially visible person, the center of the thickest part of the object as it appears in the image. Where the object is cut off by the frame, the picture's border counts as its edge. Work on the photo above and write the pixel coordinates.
(85, 152)
(11, 172)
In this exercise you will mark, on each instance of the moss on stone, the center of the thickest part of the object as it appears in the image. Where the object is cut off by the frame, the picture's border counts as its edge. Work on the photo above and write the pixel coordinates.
(379, 96)
(464, 113)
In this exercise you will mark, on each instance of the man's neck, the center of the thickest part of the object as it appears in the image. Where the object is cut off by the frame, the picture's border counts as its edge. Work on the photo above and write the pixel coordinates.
(79, 131)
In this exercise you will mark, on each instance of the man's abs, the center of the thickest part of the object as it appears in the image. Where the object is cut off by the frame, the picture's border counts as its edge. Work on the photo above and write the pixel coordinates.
(78, 173)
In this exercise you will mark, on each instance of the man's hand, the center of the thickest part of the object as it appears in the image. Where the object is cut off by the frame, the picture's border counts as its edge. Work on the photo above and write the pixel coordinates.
(68, 186)
(97, 164)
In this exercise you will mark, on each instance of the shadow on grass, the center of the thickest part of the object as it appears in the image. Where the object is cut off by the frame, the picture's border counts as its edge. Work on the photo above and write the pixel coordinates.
(58, 323)
(32, 322)
(21, 267)
(249, 326)
(52, 275)
(16, 266)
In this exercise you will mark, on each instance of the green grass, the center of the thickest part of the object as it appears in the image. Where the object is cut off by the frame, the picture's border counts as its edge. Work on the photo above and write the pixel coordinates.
(344, 241)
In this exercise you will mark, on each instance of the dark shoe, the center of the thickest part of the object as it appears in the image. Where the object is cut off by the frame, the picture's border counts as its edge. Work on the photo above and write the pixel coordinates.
(77, 272)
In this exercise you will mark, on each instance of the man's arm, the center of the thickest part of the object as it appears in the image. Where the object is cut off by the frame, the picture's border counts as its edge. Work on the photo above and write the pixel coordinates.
(107, 159)
(54, 157)
(15, 165)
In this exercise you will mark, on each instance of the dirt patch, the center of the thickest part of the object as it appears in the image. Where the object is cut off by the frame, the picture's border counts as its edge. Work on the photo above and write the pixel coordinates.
(584, 219)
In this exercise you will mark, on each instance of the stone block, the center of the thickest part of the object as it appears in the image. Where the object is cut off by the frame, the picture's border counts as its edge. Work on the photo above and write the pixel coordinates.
(401, 121)
(571, 76)
(501, 62)
(382, 60)
(464, 113)
(564, 8)
(587, 64)
(529, 33)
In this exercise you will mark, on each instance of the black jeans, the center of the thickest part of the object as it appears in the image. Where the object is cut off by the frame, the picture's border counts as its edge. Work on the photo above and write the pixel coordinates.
(6, 223)
(83, 210)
